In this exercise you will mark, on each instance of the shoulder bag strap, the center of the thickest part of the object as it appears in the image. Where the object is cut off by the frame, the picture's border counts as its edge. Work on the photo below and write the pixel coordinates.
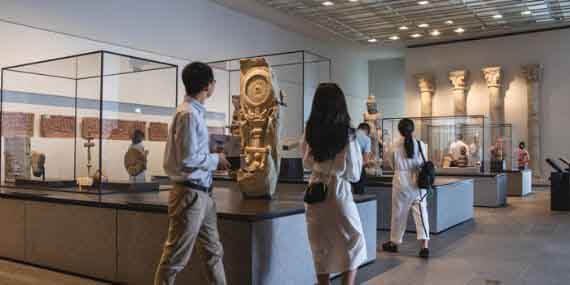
(421, 151)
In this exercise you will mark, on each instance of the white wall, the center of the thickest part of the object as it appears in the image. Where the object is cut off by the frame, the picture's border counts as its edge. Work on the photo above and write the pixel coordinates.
(547, 48)
(387, 83)
(177, 32)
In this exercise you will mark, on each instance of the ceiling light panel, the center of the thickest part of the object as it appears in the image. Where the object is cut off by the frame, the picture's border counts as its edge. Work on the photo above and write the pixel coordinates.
(360, 20)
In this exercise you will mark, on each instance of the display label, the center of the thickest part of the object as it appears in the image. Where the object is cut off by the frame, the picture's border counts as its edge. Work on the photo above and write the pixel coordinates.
(17, 124)
(57, 126)
(157, 131)
(112, 129)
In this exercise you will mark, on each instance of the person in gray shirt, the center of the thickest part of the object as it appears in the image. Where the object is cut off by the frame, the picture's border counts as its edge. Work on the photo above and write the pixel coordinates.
(189, 164)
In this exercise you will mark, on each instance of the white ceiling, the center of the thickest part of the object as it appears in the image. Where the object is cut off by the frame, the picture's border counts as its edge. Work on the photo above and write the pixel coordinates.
(380, 20)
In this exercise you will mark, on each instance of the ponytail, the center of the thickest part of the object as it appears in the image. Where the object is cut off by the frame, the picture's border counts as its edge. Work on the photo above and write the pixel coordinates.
(406, 128)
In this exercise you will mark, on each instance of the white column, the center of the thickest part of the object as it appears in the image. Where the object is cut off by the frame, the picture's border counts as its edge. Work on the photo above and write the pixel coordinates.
(427, 88)
(458, 80)
(533, 75)
(493, 77)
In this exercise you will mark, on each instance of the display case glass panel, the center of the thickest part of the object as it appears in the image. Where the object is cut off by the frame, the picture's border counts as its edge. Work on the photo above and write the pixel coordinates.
(76, 116)
(455, 143)
(298, 74)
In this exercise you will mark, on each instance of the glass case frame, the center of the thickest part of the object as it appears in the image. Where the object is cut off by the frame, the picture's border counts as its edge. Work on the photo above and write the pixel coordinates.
(86, 73)
(298, 75)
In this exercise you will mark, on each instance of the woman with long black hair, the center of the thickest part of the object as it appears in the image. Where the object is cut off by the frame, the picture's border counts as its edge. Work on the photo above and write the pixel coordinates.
(332, 153)
(406, 159)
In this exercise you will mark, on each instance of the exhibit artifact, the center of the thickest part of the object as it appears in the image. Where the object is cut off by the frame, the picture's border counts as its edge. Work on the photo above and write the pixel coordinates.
(493, 77)
(17, 158)
(259, 129)
(234, 127)
(135, 162)
(372, 118)
(38, 164)
(88, 145)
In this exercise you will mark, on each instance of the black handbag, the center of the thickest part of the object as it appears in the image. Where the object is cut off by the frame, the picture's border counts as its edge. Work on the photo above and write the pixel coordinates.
(426, 177)
(316, 192)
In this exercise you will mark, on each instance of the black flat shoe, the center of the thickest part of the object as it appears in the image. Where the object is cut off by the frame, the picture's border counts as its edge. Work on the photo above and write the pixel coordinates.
(390, 247)
(424, 253)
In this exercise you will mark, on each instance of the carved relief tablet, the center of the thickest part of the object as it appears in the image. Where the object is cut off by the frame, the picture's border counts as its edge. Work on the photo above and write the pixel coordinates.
(57, 126)
(157, 131)
(16, 124)
(112, 129)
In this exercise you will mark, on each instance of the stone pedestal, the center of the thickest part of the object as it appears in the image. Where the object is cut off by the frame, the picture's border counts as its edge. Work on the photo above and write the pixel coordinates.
(533, 75)
(458, 80)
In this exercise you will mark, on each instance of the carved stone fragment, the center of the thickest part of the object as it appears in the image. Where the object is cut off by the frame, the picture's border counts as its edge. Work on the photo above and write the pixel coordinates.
(259, 129)
(16, 124)
(57, 126)
(157, 131)
(112, 129)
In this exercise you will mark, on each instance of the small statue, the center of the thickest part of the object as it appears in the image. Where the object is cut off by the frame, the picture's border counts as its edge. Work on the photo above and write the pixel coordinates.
(372, 118)
(259, 129)
(234, 127)
(38, 164)
(136, 158)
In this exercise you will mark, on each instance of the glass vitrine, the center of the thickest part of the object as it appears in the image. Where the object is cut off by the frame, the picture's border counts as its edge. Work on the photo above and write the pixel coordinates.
(455, 143)
(73, 118)
(298, 74)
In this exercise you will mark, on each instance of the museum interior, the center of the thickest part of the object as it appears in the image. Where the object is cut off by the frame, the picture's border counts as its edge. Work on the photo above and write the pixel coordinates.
(89, 90)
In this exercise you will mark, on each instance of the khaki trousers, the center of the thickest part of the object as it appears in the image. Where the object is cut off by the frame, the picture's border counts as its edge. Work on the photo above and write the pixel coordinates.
(192, 216)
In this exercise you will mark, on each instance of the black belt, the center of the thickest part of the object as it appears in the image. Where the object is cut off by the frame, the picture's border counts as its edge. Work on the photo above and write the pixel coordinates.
(195, 186)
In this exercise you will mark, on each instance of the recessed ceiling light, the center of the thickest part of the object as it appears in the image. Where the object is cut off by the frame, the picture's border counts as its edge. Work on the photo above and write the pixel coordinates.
(372, 40)
(435, 33)
(449, 22)
(526, 13)
(403, 28)
(498, 16)
(416, 35)
(459, 30)
(394, 38)
(352, 0)
(423, 2)
(328, 3)
(138, 110)
(423, 25)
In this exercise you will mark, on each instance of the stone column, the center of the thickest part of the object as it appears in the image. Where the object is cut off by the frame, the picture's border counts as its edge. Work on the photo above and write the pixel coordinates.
(533, 75)
(458, 79)
(426, 86)
(496, 98)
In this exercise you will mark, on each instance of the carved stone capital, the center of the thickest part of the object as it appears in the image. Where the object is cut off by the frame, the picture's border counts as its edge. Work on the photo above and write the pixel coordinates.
(426, 82)
(458, 79)
(493, 76)
(532, 72)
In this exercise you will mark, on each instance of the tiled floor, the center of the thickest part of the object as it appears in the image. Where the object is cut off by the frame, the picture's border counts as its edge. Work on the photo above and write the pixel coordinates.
(523, 244)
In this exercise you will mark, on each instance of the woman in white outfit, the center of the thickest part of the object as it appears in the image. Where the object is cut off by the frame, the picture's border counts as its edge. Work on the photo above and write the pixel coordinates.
(406, 160)
(332, 153)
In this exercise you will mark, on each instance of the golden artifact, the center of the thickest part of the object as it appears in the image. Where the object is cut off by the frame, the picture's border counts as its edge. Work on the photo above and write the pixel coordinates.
(135, 161)
(259, 129)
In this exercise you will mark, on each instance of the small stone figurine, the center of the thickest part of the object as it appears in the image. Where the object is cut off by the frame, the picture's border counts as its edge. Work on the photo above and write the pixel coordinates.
(259, 129)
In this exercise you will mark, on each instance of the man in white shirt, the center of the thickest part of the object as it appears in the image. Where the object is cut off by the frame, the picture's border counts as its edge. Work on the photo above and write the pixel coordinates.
(456, 147)
(189, 164)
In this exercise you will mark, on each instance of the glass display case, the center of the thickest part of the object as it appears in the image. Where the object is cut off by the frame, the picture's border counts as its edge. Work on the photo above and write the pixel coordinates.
(298, 74)
(72, 119)
(455, 143)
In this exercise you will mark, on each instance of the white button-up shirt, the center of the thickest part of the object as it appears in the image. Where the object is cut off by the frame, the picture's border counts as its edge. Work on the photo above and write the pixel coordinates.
(187, 155)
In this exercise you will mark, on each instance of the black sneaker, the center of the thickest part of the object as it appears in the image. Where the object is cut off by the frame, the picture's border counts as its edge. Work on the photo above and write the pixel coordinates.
(390, 247)
(424, 253)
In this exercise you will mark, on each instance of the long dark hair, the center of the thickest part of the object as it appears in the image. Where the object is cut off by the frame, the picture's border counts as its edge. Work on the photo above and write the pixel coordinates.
(406, 128)
(328, 128)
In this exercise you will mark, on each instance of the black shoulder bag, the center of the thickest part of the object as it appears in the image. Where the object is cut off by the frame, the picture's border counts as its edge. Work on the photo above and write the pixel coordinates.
(426, 177)
(316, 192)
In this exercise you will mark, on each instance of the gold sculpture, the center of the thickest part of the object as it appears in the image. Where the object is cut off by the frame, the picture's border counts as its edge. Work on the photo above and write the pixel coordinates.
(259, 129)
